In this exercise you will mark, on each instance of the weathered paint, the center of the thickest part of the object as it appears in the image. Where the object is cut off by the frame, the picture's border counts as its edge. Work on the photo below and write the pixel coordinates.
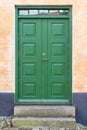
(7, 41)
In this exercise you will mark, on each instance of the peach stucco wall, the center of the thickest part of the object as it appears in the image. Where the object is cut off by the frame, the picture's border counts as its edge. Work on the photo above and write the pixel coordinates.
(7, 41)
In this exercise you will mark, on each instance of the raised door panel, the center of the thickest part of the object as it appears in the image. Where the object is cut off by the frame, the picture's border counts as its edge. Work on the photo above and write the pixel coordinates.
(57, 59)
(29, 59)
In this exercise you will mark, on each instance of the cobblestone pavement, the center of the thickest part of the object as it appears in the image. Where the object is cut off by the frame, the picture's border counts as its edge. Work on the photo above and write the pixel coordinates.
(78, 128)
(81, 127)
(5, 124)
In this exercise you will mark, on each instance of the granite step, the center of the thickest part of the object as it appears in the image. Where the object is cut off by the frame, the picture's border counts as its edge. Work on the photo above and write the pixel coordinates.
(44, 111)
(31, 122)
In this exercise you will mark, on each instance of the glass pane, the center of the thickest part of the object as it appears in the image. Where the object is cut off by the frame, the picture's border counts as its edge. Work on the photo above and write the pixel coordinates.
(53, 12)
(63, 12)
(23, 12)
(33, 12)
(43, 12)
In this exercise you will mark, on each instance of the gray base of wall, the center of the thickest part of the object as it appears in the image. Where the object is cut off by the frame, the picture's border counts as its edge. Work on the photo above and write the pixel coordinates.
(79, 101)
(6, 104)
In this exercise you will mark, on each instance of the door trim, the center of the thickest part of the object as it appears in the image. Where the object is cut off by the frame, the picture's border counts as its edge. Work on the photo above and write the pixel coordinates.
(17, 17)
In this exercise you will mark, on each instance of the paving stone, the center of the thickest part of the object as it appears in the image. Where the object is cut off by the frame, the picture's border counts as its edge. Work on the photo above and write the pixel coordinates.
(45, 128)
(53, 128)
(35, 128)
(61, 129)
(14, 128)
(81, 127)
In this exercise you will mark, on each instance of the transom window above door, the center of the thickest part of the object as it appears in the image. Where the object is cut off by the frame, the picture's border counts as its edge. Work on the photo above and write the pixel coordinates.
(44, 12)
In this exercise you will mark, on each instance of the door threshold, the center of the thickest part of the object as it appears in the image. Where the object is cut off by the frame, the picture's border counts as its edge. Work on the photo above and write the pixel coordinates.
(48, 103)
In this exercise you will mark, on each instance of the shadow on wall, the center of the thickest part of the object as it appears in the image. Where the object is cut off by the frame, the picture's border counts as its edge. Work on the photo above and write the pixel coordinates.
(79, 101)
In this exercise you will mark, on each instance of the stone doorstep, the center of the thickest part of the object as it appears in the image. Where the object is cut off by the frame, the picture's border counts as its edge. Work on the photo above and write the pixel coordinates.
(44, 122)
(44, 111)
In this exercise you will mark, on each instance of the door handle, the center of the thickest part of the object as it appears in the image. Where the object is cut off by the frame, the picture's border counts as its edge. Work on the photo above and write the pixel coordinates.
(44, 59)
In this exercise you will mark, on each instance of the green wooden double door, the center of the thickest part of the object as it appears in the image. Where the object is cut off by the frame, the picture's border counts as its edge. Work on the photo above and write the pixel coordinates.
(43, 60)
